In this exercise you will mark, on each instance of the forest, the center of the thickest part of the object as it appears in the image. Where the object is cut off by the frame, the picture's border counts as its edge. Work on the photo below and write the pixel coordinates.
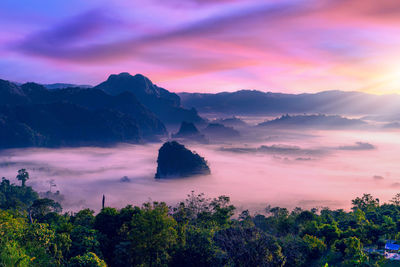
(198, 231)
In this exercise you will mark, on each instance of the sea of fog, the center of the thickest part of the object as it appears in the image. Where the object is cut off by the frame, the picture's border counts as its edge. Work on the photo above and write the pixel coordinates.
(294, 168)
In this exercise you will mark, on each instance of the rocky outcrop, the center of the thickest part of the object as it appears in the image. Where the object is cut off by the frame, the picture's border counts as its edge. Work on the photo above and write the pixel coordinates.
(175, 160)
(188, 131)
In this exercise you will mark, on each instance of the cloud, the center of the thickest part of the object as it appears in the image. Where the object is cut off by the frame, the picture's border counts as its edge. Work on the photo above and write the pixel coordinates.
(378, 177)
(277, 149)
(304, 159)
(60, 40)
(195, 3)
(394, 125)
(358, 146)
(63, 41)
(296, 150)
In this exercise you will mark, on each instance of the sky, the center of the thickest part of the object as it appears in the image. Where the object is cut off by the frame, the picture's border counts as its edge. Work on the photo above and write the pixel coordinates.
(210, 46)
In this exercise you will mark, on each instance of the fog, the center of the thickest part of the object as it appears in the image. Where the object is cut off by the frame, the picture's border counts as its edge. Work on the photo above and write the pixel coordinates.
(306, 168)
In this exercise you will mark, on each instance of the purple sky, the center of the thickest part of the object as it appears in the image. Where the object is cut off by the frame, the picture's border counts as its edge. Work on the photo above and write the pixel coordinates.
(206, 45)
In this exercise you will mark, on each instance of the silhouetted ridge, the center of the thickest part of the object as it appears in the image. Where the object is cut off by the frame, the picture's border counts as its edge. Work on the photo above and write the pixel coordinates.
(187, 128)
(65, 85)
(11, 94)
(175, 160)
(63, 124)
(26, 119)
(252, 102)
(217, 130)
(232, 122)
(189, 131)
(315, 121)
(164, 104)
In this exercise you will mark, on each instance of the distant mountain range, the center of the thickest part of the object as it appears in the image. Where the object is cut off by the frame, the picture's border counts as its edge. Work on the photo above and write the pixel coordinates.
(65, 85)
(319, 121)
(127, 108)
(250, 102)
(124, 108)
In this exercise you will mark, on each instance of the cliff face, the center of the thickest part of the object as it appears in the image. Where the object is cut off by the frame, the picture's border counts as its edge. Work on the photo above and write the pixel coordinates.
(175, 160)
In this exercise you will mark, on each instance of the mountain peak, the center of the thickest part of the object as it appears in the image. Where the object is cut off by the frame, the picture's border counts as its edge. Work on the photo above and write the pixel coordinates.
(164, 104)
(127, 75)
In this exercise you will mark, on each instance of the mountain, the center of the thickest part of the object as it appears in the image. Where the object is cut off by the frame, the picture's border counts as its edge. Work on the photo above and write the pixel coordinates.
(219, 131)
(188, 131)
(252, 102)
(32, 115)
(94, 99)
(319, 121)
(232, 122)
(63, 124)
(11, 94)
(65, 85)
(175, 160)
(164, 104)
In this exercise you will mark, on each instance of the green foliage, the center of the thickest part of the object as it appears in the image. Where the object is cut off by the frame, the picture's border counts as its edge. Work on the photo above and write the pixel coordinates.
(41, 207)
(84, 240)
(351, 249)
(20, 241)
(316, 247)
(329, 232)
(87, 260)
(365, 203)
(83, 217)
(396, 199)
(199, 248)
(11, 254)
(199, 231)
(22, 176)
(249, 247)
(16, 197)
(152, 235)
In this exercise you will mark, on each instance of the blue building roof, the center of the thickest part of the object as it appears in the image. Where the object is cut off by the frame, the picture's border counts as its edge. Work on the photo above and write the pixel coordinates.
(391, 246)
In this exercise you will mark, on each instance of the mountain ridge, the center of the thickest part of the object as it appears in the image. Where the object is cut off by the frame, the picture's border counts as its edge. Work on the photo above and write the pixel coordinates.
(166, 105)
(253, 102)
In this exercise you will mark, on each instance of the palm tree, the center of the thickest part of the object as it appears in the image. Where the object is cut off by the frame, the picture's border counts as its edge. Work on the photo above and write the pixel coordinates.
(22, 176)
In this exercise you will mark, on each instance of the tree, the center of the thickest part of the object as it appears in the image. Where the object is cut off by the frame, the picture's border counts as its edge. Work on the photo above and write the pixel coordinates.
(352, 251)
(249, 247)
(315, 246)
(366, 203)
(13, 255)
(16, 197)
(41, 207)
(87, 260)
(396, 199)
(23, 176)
(199, 249)
(108, 224)
(84, 217)
(295, 250)
(151, 234)
(84, 240)
(330, 232)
